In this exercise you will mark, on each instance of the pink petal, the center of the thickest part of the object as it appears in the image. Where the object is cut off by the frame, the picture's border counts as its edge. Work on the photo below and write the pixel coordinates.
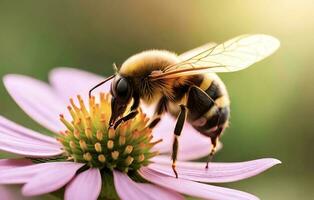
(13, 192)
(192, 188)
(192, 145)
(12, 163)
(70, 82)
(86, 185)
(54, 177)
(16, 175)
(28, 148)
(10, 128)
(128, 189)
(37, 99)
(148, 109)
(217, 172)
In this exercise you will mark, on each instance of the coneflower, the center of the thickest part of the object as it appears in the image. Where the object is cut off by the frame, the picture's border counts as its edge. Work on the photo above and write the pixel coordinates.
(92, 161)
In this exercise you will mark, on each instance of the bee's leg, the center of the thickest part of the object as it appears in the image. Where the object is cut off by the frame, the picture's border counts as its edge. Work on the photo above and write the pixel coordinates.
(220, 122)
(211, 127)
(214, 140)
(160, 109)
(132, 113)
(177, 132)
(129, 116)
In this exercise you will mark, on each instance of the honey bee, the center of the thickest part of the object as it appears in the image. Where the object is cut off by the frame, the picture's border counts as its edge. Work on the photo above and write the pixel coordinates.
(185, 85)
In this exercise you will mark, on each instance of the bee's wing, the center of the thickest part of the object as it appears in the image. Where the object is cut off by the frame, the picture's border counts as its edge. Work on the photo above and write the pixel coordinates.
(194, 52)
(233, 55)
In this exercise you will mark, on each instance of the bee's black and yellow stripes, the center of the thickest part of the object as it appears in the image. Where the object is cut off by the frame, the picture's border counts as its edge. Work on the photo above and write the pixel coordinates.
(207, 101)
(208, 106)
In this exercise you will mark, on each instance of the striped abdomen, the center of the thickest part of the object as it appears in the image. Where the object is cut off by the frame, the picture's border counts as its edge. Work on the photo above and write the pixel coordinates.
(207, 115)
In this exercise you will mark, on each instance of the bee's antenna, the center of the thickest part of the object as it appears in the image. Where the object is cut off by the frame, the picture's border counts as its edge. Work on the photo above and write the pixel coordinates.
(115, 68)
(99, 84)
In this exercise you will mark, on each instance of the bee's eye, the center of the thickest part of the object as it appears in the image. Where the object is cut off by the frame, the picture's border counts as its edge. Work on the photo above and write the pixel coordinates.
(122, 87)
(123, 90)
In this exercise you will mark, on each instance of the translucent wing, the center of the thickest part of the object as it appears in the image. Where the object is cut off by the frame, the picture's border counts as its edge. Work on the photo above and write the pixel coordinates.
(194, 52)
(234, 55)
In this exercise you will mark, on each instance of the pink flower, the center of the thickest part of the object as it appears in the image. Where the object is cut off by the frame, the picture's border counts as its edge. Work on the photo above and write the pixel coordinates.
(41, 174)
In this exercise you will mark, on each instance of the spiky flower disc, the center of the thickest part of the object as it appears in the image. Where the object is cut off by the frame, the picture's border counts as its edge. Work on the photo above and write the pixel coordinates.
(88, 138)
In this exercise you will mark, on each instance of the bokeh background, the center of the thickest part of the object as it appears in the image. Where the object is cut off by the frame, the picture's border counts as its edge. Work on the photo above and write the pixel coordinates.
(272, 102)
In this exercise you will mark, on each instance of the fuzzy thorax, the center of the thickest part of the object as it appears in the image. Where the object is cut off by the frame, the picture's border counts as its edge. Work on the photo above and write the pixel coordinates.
(137, 69)
(88, 138)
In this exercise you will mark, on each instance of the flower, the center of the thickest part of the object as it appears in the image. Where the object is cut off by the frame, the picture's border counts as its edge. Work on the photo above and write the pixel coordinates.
(88, 165)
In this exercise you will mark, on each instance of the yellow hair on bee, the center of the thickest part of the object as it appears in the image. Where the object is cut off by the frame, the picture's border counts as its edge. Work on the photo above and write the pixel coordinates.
(148, 61)
(141, 65)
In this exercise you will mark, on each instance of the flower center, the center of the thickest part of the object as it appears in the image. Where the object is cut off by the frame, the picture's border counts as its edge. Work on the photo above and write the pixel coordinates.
(88, 138)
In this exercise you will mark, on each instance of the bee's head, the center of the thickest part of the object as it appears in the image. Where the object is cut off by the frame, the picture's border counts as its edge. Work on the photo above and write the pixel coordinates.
(121, 91)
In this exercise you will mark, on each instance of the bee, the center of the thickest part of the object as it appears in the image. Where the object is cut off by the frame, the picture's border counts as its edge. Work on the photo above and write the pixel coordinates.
(185, 85)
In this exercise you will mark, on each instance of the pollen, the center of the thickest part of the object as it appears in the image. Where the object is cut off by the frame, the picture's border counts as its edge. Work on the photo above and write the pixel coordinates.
(99, 135)
(115, 155)
(83, 145)
(111, 133)
(141, 158)
(101, 158)
(129, 160)
(72, 145)
(87, 156)
(122, 140)
(110, 144)
(88, 139)
(98, 147)
(128, 149)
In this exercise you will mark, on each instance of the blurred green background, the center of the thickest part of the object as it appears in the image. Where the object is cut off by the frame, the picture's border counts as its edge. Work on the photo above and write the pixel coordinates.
(272, 102)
